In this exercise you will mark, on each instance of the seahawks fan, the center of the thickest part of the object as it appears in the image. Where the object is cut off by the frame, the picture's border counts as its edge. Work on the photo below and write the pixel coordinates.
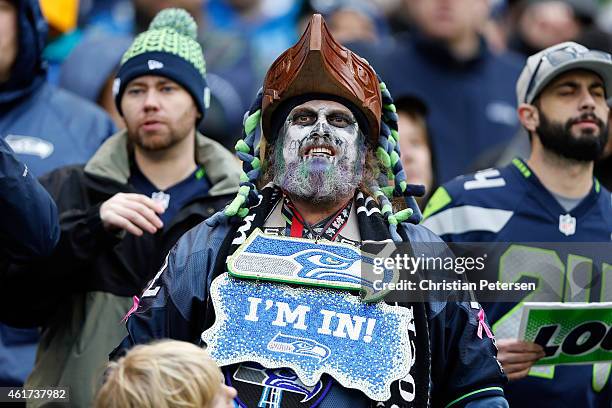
(551, 198)
(310, 196)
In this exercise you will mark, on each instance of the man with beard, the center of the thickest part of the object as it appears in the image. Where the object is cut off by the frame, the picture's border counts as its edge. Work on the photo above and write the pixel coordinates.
(122, 211)
(266, 284)
(553, 200)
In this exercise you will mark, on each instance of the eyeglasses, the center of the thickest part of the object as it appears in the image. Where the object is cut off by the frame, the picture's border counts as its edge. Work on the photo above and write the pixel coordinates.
(560, 56)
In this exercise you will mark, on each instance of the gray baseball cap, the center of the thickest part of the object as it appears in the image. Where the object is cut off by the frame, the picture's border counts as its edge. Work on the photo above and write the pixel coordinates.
(544, 66)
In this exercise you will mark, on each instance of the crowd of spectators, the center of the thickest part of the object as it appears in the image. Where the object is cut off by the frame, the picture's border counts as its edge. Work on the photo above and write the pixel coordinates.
(459, 58)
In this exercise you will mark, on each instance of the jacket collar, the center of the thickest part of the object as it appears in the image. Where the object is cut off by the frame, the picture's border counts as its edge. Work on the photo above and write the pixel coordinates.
(111, 161)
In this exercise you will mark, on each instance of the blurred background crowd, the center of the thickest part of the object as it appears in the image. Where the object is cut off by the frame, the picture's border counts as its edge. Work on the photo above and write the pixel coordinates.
(452, 65)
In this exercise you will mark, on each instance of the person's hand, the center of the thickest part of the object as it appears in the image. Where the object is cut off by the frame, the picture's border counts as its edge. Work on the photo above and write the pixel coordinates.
(517, 357)
(133, 213)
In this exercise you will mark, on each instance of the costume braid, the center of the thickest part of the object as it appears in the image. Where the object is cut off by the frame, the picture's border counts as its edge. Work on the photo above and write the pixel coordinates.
(388, 153)
(247, 150)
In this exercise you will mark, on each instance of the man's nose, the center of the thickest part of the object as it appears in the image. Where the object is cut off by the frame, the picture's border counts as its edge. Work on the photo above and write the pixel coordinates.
(587, 101)
(321, 129)
(151, 100)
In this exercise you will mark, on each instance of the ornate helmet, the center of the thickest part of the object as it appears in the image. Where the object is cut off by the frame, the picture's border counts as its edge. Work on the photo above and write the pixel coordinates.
(318, 64)
(318, 67)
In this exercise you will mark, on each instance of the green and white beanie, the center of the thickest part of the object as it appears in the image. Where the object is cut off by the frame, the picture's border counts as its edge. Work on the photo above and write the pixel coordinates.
(169, 48)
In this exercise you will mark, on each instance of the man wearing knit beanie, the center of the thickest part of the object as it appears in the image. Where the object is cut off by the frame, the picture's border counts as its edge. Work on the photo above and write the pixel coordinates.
(123, 211)
(169, 48)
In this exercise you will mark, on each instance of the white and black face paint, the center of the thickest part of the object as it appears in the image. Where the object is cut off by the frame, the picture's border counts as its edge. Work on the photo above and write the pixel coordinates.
(321, 152)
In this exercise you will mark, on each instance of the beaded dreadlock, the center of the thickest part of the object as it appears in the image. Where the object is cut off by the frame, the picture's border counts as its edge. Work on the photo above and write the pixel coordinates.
(387, 152)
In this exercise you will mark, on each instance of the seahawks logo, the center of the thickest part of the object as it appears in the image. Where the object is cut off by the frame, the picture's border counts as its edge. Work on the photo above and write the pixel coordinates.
(300, 346)
(306, 262)
(272, 388)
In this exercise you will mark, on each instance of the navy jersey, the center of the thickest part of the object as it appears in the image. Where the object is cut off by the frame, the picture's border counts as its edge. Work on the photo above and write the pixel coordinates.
(175, 197)
(511, 207)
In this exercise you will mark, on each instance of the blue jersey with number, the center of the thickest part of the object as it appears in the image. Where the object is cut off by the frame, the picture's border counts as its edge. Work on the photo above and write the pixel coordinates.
(539, 241)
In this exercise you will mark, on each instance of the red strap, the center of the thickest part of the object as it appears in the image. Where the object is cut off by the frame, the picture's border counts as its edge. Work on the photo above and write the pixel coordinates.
(297, 228)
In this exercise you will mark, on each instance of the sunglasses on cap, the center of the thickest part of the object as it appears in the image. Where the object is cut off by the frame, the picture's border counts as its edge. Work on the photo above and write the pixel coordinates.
(563, 55)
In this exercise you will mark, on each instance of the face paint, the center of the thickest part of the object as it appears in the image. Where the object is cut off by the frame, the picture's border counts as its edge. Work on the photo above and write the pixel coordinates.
(322, 152)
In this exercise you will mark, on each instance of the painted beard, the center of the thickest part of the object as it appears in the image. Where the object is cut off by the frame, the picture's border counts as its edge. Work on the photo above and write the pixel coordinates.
(323, 168)
(559, 139)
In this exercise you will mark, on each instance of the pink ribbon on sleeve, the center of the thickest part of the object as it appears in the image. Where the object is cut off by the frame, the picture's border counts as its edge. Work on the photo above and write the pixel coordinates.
(483, 324)
(132, 309)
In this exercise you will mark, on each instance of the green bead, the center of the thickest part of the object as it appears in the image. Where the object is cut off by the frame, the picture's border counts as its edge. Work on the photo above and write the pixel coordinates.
(383, 157)
(241, 146)
(234, 206)
(394, 158)
(251, 123)
(403, 215)
(390, 107)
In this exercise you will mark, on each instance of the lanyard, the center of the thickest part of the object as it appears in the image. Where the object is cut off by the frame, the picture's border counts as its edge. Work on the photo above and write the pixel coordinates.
(328, 229)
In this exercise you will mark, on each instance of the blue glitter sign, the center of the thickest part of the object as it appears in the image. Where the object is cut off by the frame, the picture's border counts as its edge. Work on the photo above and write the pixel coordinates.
(311, 331)
(306, 262)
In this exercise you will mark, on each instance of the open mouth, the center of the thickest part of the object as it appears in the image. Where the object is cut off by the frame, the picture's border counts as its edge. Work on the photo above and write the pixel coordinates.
(327, 152)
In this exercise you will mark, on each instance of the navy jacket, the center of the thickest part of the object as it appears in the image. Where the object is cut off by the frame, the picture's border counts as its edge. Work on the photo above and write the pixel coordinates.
(471, 104)
(29, 224)
(28, 227)
(47, 128)
(465, 371)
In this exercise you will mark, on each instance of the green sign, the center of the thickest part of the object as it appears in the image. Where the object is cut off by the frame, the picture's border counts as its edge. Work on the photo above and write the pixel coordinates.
(570, 333)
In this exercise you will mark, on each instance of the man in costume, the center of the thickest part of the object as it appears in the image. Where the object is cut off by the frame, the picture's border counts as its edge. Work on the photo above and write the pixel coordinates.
(309, 197)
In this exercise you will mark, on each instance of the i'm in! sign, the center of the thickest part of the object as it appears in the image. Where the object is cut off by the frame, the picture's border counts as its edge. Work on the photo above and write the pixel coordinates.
(312, 331)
